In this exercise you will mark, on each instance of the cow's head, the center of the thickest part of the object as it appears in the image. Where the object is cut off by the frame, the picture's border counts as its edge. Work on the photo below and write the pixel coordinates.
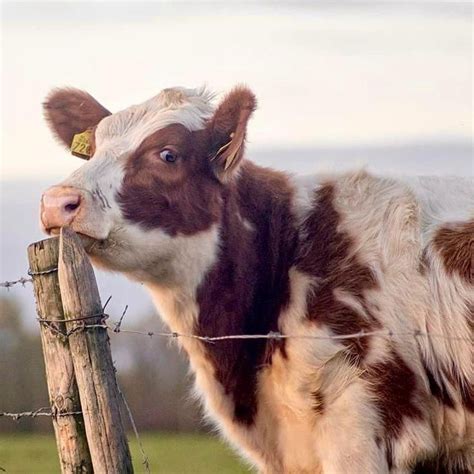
(151, 192)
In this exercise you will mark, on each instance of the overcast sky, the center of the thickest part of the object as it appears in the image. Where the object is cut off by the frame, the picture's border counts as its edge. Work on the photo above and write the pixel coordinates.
(326, 74)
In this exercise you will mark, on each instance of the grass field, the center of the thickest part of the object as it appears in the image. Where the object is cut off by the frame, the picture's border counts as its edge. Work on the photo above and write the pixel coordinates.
(167, 453)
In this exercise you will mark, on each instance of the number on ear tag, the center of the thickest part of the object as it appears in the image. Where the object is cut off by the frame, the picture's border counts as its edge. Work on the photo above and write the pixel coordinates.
(81, 145)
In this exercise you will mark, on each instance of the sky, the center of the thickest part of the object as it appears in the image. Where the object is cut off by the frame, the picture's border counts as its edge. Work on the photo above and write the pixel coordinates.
(338, 74)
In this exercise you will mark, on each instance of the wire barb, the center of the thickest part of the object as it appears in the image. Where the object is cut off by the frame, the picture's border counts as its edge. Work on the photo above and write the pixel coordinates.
(119, 323)
(21, 281)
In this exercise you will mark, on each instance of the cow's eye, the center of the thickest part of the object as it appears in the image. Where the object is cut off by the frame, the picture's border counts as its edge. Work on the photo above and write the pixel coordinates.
(168, 155)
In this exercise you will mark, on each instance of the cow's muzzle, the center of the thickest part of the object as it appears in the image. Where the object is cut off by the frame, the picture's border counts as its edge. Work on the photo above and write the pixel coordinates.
(59, 206)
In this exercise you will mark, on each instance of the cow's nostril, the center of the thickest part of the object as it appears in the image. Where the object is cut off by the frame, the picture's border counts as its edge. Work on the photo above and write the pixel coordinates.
(71, 207)
(59, 206)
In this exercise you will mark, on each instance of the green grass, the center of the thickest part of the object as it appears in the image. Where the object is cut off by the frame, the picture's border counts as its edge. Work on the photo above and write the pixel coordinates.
(167, 453)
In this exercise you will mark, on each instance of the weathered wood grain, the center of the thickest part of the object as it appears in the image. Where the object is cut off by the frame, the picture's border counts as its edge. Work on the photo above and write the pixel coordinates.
(70, 432)
(92, 359)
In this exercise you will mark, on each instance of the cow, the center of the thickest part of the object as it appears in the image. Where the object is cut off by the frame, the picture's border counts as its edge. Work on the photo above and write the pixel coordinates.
(369, 277)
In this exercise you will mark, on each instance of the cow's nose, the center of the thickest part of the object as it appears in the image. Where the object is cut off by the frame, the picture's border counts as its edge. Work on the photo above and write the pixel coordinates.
(59, 206)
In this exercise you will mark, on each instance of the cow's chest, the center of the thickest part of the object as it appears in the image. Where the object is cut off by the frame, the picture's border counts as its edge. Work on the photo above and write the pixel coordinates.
(281, 437)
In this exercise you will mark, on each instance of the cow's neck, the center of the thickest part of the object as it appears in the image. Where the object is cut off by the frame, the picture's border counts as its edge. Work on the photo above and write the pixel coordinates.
(245, 256)
(245, 288)
(249, 280)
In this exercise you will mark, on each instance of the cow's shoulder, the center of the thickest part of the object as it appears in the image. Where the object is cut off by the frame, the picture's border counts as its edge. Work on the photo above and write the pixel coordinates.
(378, 216)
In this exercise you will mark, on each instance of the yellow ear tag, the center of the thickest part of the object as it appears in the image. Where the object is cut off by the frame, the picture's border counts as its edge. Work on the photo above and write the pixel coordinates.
(81, 145)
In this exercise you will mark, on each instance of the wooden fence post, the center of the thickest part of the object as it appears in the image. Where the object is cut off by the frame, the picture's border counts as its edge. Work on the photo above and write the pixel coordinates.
(92, 359)
(69, 429)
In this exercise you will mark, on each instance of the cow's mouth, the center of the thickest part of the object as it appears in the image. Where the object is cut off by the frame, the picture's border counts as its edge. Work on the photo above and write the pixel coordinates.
(89, 243)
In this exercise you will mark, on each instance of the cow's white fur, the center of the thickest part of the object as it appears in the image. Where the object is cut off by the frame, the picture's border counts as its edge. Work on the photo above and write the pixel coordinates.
(442, 199)
(125, 130)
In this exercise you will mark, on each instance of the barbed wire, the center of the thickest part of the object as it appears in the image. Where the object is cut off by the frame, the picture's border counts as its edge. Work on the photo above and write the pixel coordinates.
(46, 411)
(280, 336)
(21, 281)
(117, 328)
(39, 412)
(273, 335)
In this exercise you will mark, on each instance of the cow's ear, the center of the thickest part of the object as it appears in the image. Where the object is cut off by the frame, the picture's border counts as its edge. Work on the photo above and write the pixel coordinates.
(70, 111)
(228, 128)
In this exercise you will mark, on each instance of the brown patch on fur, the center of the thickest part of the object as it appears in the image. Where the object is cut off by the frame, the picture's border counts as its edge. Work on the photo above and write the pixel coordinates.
(423, 264)
(69, 111)
(438, 389)
(396, 390)
(177, 197)
(389, 456)
(452, 463)
(466, 386)
(455, 244)
(459, 385)
(467, 395)
(325, 254)
(183, 196)
(249, 286)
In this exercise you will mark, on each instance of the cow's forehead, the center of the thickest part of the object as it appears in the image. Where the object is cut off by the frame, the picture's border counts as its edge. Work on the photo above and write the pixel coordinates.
(126, 129)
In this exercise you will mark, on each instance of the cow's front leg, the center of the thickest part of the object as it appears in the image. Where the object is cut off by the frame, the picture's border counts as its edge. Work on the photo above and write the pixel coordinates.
(346, 436)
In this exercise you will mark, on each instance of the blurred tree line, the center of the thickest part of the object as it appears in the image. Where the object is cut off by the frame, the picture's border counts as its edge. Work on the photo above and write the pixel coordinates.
(152, 373)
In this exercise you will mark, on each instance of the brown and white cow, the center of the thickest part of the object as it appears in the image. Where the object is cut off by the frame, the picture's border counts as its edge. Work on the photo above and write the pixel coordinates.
(229, 248)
